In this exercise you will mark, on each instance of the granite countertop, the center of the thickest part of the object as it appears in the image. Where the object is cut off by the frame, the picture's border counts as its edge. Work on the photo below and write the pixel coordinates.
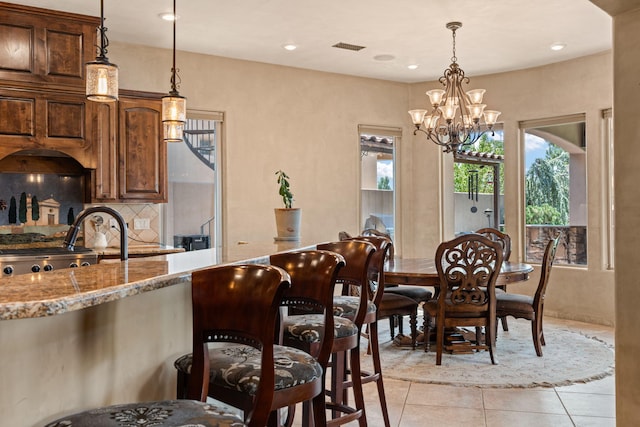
(148, 249)
(60, 291)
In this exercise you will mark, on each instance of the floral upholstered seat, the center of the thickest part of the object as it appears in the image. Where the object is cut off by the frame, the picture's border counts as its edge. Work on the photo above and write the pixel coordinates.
(174, 413)
(237, 367)
(347, 306)
(309, 328)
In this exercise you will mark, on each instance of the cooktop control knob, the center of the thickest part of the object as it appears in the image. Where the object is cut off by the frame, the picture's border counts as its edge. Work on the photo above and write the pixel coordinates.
(73, 265)
(8, 269)
(48, 267)
(35, 268)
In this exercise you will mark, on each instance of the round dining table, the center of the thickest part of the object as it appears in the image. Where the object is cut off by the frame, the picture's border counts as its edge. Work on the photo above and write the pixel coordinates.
(422, 272)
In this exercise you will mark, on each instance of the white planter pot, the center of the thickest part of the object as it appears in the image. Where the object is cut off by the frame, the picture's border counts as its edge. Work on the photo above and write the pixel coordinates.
(288, 223)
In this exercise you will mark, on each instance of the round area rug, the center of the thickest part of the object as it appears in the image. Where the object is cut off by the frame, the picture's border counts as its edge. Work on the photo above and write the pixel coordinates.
(568, 358)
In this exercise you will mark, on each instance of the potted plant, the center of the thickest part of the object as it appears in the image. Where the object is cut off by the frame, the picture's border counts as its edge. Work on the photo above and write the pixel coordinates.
(287, 218)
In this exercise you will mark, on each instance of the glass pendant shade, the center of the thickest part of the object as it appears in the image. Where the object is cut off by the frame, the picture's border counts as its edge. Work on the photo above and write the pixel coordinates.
(102, 81)
(174, 106)
(101, 75)
(435, 96)
(174, 116)
(491, 117)
(475, 95)
(417, 116)
(476, 110)
(173, 131)
(448, 111)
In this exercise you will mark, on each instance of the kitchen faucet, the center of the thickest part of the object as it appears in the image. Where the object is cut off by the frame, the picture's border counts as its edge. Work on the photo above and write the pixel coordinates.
(72, 234)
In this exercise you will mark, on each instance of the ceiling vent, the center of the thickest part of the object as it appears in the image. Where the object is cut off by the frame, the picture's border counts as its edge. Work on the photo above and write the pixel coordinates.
(348, 46)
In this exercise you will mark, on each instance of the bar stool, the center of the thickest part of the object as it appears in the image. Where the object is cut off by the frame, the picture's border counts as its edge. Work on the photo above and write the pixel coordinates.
(308, 323)
(353, 304)
(236, 307)
(385, 305)
(170, 413)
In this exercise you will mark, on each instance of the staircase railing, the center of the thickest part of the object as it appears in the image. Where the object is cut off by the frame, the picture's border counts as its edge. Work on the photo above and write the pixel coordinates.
(200, 142)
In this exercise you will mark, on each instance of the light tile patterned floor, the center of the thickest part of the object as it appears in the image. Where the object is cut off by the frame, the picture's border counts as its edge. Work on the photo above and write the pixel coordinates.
(413, 404)
(417, 405)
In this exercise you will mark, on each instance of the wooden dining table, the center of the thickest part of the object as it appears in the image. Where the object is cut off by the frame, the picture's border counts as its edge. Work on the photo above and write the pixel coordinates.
(422, 272)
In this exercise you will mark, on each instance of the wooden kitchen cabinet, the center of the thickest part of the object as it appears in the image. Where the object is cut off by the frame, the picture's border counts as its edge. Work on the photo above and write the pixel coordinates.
(131, 154)
(45, 47)
(42, 81)
(41, 119)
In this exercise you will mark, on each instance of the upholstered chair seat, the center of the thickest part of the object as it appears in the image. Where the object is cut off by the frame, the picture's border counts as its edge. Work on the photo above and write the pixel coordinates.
(167, 413)
(416, 293)
(237, 367)
(309, 328)
(516, 303)
(347, 306)
(393, 305)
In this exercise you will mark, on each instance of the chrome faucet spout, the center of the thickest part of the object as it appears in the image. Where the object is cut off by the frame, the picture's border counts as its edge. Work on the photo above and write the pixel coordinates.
(72, 234)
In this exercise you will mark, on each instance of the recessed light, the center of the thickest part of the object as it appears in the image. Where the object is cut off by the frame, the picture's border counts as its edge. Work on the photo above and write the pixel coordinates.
(290, 46)
(412, 66)
(168, 16)
(558, 46)
(384, 57)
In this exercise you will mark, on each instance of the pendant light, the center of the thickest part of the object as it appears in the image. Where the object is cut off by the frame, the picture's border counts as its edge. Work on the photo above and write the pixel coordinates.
(174, 106)
(102, 76)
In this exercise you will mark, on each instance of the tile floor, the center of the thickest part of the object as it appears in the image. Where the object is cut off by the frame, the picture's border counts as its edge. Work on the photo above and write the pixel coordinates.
(414, 404)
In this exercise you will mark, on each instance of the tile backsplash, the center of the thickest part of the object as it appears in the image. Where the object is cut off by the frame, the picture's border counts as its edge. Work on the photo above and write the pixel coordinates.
(130, 212)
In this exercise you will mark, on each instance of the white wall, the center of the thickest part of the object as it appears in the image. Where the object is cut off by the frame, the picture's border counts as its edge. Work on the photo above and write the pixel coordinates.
(278, 118)
(286, 118)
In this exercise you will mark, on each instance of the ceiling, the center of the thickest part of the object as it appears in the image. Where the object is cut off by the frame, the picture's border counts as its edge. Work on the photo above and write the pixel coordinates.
(496, 36)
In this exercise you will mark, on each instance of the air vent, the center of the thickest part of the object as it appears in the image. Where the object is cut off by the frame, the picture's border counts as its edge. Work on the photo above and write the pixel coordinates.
(348, 46)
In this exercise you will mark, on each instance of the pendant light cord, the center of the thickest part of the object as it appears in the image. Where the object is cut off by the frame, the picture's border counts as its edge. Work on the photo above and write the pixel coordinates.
(175, 79)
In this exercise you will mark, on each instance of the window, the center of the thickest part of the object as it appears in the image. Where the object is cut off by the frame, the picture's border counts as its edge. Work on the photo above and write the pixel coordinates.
(193, 208)
(556, 188)
(377, 167)
(479, 185)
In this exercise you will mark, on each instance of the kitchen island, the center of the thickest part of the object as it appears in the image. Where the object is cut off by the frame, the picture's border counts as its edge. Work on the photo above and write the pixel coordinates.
(94, 336)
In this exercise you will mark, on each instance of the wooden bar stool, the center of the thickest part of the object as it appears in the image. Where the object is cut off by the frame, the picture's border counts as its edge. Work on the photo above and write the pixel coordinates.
(385, 305)
(353, 304)
(236, 307)
(308, 323)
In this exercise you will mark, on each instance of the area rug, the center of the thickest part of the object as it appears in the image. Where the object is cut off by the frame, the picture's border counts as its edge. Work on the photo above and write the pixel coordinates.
(568, 358)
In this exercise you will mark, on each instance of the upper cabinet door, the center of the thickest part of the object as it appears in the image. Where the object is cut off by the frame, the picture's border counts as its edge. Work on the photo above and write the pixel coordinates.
(142, 167)
(40, 119)
(44, 46)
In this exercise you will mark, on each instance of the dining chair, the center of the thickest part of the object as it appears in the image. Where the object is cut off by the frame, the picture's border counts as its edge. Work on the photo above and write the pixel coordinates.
(468, 267)
(505, 241)
(527, 307)
(234, 358)
(354, 304)
(395, 308)
(308, 323)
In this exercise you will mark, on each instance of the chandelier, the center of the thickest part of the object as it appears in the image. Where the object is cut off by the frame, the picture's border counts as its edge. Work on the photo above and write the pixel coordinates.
(174, 106)
(102, 76)
(456, 117)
